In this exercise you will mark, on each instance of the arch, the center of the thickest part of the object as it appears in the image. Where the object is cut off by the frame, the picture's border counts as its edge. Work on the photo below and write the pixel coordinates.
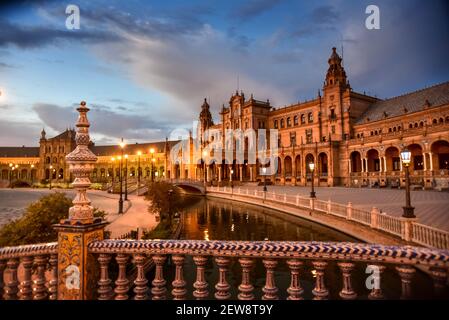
(373, 160)
(47, 160)
(24, 174)
(356, 161)
(303, 118)
(279, 168)
(61, 174)
(298, 165)
(47, 174)
(310, 117)
(416, 156)
(282, 123)
(309, 158)
(5, 174)
(103, 173)
(295, 120)
(132, 172)
(288, 166)
(323, 164)
(440, 149)
(393, 159)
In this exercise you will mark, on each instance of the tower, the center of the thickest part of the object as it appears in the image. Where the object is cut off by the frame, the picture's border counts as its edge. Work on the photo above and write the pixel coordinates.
(205, 120)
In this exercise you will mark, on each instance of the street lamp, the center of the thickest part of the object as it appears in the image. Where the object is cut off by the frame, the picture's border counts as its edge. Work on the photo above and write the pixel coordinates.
(11, 168)
(170, 192)
(120, 201)
(408, 209)
(32, 176)
(126, 177)
(312, 169)
(204, 167)
(51, 176)
(264, 171)
(152, 162)
(112, 174)
(230, 180)
(139, 153)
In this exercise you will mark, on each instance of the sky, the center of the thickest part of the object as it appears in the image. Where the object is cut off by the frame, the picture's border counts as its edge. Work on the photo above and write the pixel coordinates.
(145, 67)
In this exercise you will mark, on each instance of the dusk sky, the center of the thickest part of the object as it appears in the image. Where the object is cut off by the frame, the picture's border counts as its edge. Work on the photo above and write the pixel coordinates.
(144, 67)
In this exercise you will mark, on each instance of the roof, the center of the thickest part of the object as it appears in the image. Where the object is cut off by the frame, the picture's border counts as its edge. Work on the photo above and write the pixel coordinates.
(436, 95)
(159, 147)
(69, 133)
(19, 152)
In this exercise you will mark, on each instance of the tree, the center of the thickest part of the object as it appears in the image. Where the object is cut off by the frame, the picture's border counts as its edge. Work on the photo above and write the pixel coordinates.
(36, 225)
(165, 198)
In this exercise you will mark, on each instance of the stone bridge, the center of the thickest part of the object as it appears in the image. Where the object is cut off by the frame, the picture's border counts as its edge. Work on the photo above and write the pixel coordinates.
(189, 185)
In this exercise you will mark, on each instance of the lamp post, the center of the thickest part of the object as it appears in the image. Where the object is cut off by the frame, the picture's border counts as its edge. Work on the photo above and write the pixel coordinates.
(11, 168)
(152, 161)
(170, 192)
(264, 171)
(230, 180)
(112, 174)
(408, 209)
(204, 167)
(139, 153)
(120, 201)
(126, 177)
(312, 170)
(32, 176)
(51, 176)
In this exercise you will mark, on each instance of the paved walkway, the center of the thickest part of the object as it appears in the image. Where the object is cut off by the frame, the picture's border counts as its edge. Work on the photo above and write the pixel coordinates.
(431, 207)
(13, 203)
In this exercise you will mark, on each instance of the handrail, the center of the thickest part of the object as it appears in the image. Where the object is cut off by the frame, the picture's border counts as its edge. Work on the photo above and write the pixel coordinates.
(28, 250)
(362, 252)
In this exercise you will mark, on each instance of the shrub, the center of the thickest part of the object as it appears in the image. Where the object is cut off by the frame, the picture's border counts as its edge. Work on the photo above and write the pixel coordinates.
(162, 202)
(36, 225)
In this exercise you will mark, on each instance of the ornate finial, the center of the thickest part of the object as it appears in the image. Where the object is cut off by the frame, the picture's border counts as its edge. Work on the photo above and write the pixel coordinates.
(43, 133)
(81, 163)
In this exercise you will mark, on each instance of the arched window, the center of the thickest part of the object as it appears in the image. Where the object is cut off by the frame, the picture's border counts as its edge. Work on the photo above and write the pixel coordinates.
(310, 116)
(289, 122)
(282, 123)
(275, 124)
(303, 118)
(295, 120)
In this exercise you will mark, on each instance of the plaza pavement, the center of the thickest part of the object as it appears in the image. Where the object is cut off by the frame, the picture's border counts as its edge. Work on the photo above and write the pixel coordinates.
(431, 207)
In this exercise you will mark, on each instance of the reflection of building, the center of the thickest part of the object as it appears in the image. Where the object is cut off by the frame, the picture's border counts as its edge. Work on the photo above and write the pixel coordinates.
(38, 164)
(354, 139)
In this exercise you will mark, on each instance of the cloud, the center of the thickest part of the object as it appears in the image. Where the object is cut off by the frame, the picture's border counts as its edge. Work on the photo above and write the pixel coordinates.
(106, 124)
(19, 133)
(253, 8)
(29, 37)
(6, 66)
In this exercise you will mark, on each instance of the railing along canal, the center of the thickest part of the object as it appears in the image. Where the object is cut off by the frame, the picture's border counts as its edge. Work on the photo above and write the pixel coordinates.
(407, 229)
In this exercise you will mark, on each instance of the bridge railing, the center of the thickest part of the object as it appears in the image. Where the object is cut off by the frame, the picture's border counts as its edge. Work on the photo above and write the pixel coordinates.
(296, 256)
(407, 229)
(38, 276)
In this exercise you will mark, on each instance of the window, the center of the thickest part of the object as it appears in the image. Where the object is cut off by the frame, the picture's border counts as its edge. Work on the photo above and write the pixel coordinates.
(282, 123)
(292, 138)
(396, 163)
(309, 138)
(275, 124)
(303, 118)
(333, 129)
(295, 121)
(310, 116)
(333, 116)
(289, 122)
(418, 162)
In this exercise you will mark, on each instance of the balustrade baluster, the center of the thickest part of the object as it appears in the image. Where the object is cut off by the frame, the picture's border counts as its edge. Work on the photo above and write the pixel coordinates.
(11, 285)
(26, 290)
(159, 291)
(439, 276)
(376, 292)
(246, 288)
(122, 282)
(222, 286)
(141, 288)
(2, 271)
(53, 283)
(104, 284)
(347, 291)
(406, 273)
(270, 290)
(200, 284)
(179, 291)
(39, 288)
(320, 291)
(295, 290)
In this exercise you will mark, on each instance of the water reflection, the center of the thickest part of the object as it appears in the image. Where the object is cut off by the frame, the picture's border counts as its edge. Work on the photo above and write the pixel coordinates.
(225, 220)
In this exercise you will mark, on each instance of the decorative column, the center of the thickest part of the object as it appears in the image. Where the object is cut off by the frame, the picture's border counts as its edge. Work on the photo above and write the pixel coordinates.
(77, 271)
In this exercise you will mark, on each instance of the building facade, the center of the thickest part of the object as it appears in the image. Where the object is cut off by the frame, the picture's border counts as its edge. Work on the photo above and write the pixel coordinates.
(353, 138)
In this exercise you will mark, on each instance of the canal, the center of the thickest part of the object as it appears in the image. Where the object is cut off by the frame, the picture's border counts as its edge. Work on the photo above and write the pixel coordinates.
(218, 219)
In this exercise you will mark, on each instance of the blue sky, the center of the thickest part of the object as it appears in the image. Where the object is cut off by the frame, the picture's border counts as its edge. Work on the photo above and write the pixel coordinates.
(144, 67)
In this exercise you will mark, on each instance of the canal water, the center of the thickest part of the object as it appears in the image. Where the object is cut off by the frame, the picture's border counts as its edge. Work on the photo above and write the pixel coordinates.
(217, 219)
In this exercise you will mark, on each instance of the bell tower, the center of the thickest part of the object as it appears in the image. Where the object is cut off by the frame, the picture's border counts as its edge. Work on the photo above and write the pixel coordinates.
(205, 120)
